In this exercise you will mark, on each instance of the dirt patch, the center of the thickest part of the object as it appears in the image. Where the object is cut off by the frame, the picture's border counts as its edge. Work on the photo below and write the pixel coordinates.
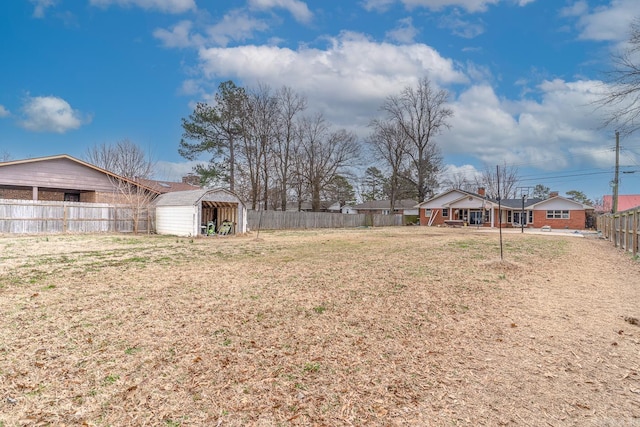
(388, 326)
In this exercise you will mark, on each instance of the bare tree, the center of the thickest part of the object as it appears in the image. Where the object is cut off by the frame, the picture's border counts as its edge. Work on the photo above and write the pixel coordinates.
(507, 176)
(124, 158)
(324, 154)
(290, 105)
(5, 156)
(129, 163)
(392, 144)
(259, 130)
(621, 97)
(421, 113)
(135, 202)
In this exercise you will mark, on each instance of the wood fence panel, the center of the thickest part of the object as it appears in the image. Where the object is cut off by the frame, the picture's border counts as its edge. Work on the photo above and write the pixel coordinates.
(36, 217)
(278, 220)
(621, 229)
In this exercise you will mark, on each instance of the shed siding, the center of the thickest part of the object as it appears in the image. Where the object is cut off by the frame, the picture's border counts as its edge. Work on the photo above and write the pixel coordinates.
(177, 220)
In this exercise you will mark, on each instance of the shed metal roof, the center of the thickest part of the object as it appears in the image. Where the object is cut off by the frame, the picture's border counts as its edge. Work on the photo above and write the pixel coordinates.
(216, 197)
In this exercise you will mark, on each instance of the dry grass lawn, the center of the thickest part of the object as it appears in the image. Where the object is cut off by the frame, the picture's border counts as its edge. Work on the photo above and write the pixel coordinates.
(408, 326)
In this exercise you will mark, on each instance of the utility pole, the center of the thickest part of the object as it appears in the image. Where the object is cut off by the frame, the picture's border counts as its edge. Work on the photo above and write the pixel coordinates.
(499, 211)
(616, 180)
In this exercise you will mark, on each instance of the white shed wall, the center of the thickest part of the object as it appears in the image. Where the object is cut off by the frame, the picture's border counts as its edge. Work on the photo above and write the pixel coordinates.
(177, 220)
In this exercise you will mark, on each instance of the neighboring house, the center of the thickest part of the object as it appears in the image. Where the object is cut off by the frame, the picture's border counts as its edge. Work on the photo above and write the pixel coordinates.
(625, 202)
(197, 212)
(459, 207)
(348, 209)
(65, 178)
(325, 206)
(62, 178)
(383, 207)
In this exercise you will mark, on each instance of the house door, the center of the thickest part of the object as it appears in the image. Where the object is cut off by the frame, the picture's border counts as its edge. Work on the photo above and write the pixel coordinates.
(475, 217)
(519, 218)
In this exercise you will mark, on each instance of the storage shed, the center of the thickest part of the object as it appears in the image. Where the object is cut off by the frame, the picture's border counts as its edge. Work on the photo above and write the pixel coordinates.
(195, 212)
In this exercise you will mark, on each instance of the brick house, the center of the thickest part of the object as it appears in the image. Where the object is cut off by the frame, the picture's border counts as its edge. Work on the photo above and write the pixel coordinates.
(460, 208)
(66, 179)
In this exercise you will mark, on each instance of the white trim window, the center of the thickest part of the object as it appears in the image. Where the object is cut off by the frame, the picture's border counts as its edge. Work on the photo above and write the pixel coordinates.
(557, 214)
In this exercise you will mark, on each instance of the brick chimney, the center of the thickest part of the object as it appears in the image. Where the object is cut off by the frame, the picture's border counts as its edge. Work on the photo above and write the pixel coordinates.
(191, 179)
(481, 191)
(553, 194)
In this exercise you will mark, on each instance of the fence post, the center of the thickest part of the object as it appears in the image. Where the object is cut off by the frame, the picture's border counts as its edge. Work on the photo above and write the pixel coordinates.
(64, 218)
(634, 237)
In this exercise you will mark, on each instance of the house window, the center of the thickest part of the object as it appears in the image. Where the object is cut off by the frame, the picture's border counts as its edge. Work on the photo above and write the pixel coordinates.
(557, 214)
(427, 213)
(509, 216)
(445, 212)
(530, 217)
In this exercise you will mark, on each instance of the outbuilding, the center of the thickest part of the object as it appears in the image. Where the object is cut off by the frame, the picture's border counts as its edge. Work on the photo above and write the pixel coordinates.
(200, 212)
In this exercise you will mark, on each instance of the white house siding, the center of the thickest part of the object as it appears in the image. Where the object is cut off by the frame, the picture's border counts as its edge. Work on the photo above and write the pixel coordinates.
(441, 201)
(177, 220)
(557, 205)
(465, 203)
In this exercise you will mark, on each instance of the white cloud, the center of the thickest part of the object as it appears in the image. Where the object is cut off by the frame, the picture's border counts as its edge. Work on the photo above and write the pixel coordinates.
(167, 6)
(235, 26)
(378, 5)
(404, 32)
(297, 8)
(41, 7)
(50, 114)
(179, 36)
(546, 133)
(579, 8)
(608, 23)
(4, 112)
(468, 5)
(353, 73)
(460, 26)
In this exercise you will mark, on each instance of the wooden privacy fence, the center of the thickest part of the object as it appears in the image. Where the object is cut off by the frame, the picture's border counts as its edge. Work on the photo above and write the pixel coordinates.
(278, 220)
(33, 217)
(621, 228)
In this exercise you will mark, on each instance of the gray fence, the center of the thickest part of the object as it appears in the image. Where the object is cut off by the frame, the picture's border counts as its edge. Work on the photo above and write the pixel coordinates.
(621, 228)
(277, 220)
(33, 217)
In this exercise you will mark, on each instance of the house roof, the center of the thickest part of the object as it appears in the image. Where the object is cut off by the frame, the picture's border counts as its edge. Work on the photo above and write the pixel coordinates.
(549, 200)
(167, 186)
(81, 162)
(385, 204)
(625, 202)
(215, 197)
(504, 203)
(517, 203)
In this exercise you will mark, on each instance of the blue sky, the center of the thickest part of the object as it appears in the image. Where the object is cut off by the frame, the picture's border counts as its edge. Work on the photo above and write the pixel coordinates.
(522, 74)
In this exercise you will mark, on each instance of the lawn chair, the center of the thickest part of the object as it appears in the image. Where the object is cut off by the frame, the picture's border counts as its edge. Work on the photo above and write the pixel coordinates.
(211, 228)
(225, 228)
